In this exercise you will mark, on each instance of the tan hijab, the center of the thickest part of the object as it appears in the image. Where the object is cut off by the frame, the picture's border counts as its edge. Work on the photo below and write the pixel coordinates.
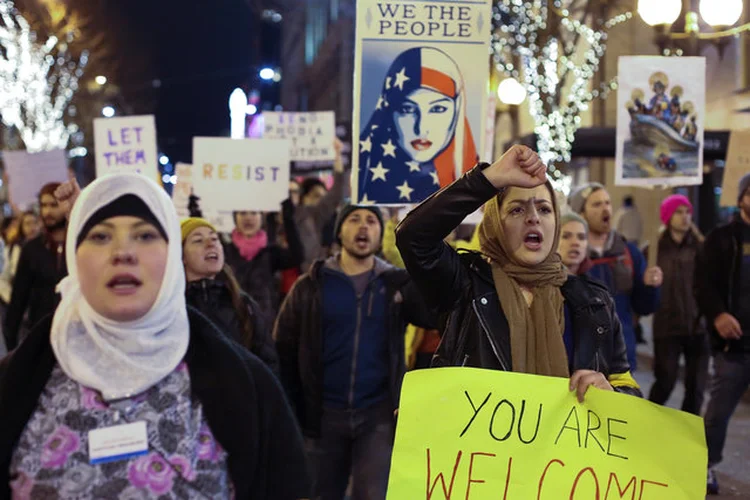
(536, 332)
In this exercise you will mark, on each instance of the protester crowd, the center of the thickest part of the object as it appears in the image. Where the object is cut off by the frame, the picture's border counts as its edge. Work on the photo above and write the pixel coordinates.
(267, 363)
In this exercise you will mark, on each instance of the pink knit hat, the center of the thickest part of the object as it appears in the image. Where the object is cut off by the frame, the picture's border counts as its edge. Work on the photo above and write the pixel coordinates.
(670, 205)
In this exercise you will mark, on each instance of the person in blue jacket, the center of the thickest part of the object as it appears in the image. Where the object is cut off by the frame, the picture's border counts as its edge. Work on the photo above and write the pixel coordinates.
(620, 265)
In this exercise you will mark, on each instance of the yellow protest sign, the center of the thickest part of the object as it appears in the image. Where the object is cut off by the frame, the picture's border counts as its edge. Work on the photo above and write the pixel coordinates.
(466, 433)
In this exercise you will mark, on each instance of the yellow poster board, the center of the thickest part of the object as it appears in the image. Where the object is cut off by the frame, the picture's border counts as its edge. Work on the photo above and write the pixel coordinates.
(466, 433)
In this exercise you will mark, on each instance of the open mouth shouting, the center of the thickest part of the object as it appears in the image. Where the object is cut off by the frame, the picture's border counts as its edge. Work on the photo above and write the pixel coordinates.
(362, 240)
(574, 254)
(211, 257)
(124, 284)
(533, 240)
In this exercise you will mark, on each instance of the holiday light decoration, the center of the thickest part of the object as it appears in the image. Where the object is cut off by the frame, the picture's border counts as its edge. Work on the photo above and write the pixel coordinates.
(548, 47)
(37, 82)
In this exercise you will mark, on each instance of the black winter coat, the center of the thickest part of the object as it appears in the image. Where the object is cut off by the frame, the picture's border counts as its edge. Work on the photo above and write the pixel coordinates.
(39, 271)
(476, 331)
(717, 281)
(299, 339)
(242, 402)
(212, 298)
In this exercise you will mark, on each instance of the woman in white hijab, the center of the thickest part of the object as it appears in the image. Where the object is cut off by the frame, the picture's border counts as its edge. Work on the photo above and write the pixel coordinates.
(126, 393)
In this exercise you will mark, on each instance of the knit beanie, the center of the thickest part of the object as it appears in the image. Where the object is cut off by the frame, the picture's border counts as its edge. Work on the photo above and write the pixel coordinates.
(577, 199)
(347, 211)
(573, 217)
(744, 185)
(189, 225)
(670, 205)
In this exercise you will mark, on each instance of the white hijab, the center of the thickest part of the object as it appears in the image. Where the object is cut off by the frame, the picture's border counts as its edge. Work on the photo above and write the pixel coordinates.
(122, 359)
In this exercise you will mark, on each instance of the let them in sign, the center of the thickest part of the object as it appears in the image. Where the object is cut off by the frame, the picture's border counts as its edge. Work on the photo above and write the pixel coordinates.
(126, 136)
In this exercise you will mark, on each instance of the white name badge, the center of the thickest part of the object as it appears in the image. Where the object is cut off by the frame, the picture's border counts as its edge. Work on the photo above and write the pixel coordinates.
(118, 442)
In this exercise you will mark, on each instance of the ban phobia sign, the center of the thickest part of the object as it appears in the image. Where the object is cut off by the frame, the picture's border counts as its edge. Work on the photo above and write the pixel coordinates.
(466, 433)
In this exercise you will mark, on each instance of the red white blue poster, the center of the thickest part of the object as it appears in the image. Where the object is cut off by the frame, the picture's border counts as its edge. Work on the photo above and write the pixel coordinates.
(420, 96)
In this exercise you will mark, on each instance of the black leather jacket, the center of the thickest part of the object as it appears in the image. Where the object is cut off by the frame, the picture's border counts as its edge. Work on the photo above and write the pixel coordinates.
(461, 287)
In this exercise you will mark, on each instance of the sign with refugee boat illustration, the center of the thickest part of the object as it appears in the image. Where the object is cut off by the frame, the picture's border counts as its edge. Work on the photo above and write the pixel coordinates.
(660, 112)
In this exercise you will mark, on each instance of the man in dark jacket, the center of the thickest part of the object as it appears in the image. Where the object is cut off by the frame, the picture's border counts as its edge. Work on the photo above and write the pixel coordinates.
(340, 339)
(722, 287)
(617, 263)
(677, 330)
(41, 266)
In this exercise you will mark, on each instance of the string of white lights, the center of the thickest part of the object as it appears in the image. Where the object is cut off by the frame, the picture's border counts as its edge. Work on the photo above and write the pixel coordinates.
(556, 71)
(37, 82)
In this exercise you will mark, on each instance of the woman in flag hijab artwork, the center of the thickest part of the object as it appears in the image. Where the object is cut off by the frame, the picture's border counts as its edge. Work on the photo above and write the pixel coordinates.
(418, 138)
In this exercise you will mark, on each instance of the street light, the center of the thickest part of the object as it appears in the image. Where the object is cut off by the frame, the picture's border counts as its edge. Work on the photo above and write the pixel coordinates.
(101, 80)
(237, 113)
(267, 73)
(721, 12)
(511, 92)
(108, 111)
(659, 12)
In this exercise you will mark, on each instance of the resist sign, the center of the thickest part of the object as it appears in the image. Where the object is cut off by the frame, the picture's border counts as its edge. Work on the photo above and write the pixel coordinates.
(241, 174)
(466, 433)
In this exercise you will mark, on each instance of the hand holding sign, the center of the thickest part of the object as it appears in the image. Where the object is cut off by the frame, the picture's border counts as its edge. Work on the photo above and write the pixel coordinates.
(583, 379)
(653, 276)
(338, 162)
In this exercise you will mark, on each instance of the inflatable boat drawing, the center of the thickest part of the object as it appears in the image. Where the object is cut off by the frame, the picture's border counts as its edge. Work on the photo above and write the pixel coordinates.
(651, 131)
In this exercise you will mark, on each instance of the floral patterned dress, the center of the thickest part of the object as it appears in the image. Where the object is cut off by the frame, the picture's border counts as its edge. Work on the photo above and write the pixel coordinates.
(183, 461)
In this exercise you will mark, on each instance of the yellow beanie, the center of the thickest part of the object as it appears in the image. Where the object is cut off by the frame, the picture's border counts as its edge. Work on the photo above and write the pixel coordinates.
(187, 226)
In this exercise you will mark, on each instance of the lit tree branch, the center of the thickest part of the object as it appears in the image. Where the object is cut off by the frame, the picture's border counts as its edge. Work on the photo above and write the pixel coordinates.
(37, 82)
(555, 47)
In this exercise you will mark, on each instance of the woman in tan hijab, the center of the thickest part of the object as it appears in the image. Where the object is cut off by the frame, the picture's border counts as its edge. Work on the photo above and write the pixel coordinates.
(513, 306)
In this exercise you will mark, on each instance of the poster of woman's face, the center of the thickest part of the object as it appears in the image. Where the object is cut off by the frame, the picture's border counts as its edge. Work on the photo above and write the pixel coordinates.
(421, 119)
(425, 122)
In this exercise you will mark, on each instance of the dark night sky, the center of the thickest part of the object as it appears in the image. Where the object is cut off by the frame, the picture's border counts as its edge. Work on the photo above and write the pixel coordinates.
(200, 50)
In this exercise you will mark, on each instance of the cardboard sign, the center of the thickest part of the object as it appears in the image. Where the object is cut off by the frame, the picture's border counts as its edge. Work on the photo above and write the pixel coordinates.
(420, 96)
(738, 165)
(28, 172)
(241, 174)
(311, 135)
(182, 189)
(485, 434)
(126, 144)
(661, 109)
(222, 221)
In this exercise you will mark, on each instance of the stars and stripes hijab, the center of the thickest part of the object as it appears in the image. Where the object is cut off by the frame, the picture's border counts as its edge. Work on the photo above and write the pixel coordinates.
(387, 173)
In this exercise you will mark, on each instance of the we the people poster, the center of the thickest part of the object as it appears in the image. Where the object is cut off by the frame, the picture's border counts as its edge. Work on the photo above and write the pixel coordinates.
(420, 96)
(660, 114)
